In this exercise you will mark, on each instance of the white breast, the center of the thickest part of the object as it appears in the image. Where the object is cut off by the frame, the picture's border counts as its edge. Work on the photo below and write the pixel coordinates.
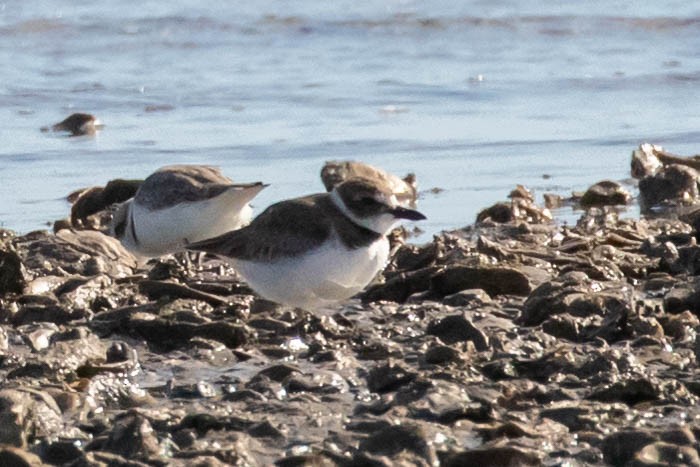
(321, 277)
(163, 231)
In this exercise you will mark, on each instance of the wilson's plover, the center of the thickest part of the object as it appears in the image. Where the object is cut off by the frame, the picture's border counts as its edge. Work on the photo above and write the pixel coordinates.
(335, 172)
(316, 250)
(180, 204)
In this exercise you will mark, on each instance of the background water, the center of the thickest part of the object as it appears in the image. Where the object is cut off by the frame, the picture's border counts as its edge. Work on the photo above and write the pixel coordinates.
(473, 97)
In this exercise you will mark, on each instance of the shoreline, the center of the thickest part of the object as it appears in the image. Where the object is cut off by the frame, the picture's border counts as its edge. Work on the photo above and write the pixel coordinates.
(514, 340)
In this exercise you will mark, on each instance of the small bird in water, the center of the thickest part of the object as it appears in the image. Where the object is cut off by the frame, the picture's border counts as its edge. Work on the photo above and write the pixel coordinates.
(316, 250)
(334, 172)
(180, 204)
(78, 124)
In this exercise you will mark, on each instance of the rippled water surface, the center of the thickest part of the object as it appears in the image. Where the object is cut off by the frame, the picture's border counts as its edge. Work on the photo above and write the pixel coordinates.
(473, 97)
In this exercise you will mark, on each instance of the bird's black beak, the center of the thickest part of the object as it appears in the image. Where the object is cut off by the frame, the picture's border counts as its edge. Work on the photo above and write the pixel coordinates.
(401, 212)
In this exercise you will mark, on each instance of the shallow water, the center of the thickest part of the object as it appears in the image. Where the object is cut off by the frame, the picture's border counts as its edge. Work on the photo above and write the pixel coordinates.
(473, 97)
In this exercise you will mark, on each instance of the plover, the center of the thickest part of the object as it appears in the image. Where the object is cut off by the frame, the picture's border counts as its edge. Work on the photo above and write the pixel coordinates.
(180, 204)
(316, 250)
(334, 172)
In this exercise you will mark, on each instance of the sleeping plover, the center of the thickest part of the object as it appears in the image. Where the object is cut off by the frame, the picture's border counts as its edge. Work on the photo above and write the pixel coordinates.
(317, 250)
(180, 204)
(334, 172)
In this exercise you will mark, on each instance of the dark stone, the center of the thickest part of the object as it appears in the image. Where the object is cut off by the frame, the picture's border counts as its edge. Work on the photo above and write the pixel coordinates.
(48, 314)
(172, 334)
(469, 297)
(605, 193)
(61, 452)
(120, 352)
(95, 199)
(619, 448)
(132, 436)
(279, 372)
(15, 457)
(499, 370)
(495, 456)
(11, 274)
(629, 391)
(310, 460)
(264, 429)
(441, 354)
(388, 377)
(499, 212)
(27, 414)
(574, 418)
(493, 280)
(562, 326)
(401, 286)
(674, 183)
(394, 439)
(159, 289)
(661, 454)
(457, 328)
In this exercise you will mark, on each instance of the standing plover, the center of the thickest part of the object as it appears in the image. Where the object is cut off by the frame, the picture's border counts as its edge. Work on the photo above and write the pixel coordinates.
(334, 172)
(180, 204)
(316, 250)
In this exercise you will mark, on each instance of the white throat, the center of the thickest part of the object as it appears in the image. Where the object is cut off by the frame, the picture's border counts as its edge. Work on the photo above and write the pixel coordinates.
(381, 224)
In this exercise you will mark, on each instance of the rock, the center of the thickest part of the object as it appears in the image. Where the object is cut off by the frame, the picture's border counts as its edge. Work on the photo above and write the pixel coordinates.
(394, 439)
(132, 436)
(629, 391)
(457, 328)
(574, 294)
(660, 453)
(493, 280)
(553, 201)
(523, 193)
(173, 333)
(469, 297)
(93, 200)
(499, 212)
(14, 457)
(496, 456)
(441, 354)
(12, 279)
(388, 377)
(684, 296)
(60, 452)
(401, 286)
(86, 253)
(645, 163)
(279, 372)
(159, 289)
(26, 415)
(619, 448)
(605, 193)
(673, 184)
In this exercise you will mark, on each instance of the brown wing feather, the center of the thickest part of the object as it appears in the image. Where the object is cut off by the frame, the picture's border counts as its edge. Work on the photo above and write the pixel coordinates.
(182, 183)
(287, 228)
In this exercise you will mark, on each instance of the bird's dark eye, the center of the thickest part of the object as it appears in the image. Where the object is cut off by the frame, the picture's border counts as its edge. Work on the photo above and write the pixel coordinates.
(368, 201)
